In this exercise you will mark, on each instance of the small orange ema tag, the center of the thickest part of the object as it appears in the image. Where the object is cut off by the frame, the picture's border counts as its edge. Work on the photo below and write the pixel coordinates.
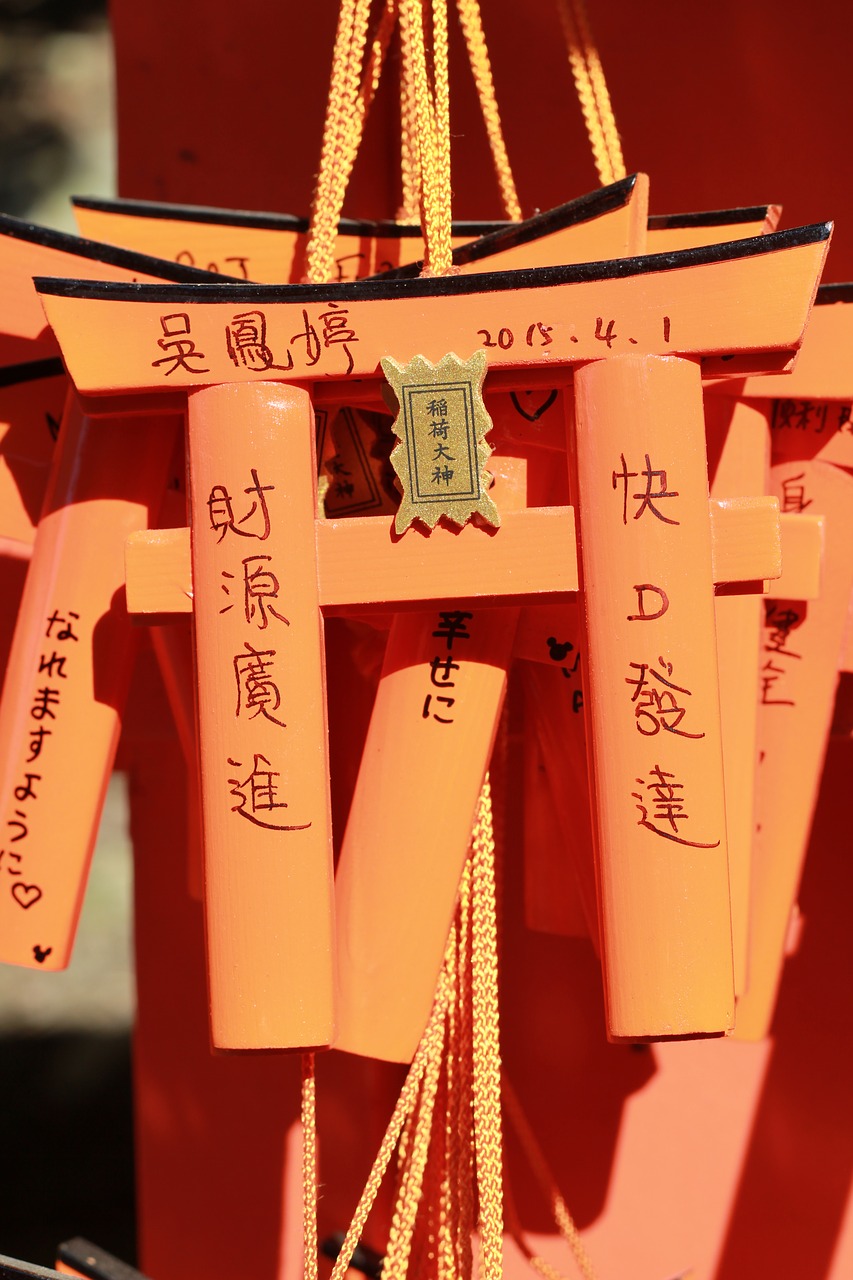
(441, 424)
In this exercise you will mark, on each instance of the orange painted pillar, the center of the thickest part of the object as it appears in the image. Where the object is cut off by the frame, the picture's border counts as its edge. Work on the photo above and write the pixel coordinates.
(653, 706)
(742, 455)
(262, 719)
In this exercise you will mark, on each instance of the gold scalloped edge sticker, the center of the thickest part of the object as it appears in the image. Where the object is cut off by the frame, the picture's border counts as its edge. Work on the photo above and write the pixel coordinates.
(441, 424)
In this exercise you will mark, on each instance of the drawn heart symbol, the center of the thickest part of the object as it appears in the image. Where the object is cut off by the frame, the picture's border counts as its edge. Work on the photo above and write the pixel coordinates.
(537, 412)
(26, 895)
(41, 953)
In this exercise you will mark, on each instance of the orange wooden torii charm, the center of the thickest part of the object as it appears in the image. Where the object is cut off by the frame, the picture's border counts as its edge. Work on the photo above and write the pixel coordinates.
(806, 417)
(648, 308)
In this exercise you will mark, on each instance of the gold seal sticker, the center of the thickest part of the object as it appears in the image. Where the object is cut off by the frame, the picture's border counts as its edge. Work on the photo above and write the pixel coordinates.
(441, 424)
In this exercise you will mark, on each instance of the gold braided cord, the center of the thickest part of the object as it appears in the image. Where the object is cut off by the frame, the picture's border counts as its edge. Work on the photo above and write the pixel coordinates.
(467, 1199)
(405, 1107)
(321, 235)
(376, 58)
(413, 53)
(481, 68)
(450, 1173)
(441, 251)
(536, 1158)
(592, 91)
(410, 170)
(459, 1158)
(309, 1168)
(486, 1044)
(446, 1247)
(363, 102)
(430, 117)
(602, 96)
(516, 1232)
(351, 93)
(406, 1209)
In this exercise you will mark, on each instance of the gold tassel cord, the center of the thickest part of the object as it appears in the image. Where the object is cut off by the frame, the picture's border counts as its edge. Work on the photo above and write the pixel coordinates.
(592, 92)
(351, 92)
(538, 1164)
(408, 1202)
(410, 172)
(481, 68)
(431, 140)
(486, 1041)
(309, 1168)
(448, 1169)
(405, 1107)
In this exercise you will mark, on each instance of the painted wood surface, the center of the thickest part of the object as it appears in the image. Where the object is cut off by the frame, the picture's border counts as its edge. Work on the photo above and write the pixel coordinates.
(172, 338)
(265, 247)
(262, 718)
(739, 462)
(653, 698)
(800, 647)
(69, 668)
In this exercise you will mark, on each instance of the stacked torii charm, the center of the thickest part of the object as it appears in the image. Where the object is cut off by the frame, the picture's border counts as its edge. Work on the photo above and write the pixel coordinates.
(635, 330)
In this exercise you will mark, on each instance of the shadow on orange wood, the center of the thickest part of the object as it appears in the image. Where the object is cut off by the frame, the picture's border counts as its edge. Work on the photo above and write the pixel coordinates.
(572, 1084)
(789, 1207)
(217, 1174)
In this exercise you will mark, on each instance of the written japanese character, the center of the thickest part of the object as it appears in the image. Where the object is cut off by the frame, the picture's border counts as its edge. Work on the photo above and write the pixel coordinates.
(795, 415)
(260, 584)
(646, 498)
(246, 339)
(48, 664)
(779, 623)
(308, 334)
(19, 822)
(338, 330)
(257, 691)
(440, 669)
(452, 626)
(770, 674)
(25, 790)
(448, 702)
(45, 699)
(349, 273)
(65, 632)
(794, 494)
(256, 794)
(181, 347)
(657, 705)
(668, 805)
(220, 506)
(37, 737)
